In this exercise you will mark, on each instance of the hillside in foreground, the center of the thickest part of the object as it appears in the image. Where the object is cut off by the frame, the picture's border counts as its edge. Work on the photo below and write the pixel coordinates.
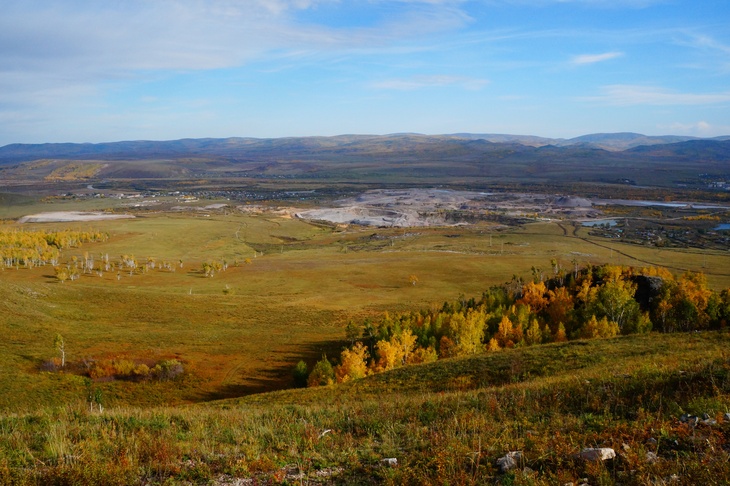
(659, 401)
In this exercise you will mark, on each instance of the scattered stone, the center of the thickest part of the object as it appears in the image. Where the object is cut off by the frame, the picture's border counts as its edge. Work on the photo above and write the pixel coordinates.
(389, 461)
(509, 461)
(709, 421)
(651, 457)
(651, 441)
(689, 419)
(597, 454)
(329, 472)
(726, 417)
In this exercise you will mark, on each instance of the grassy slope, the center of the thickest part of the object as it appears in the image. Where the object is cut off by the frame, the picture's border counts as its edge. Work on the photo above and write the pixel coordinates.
(247, 340)
(446, 423)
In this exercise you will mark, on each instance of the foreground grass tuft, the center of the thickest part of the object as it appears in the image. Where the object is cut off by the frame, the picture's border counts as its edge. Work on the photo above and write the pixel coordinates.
(445, 423)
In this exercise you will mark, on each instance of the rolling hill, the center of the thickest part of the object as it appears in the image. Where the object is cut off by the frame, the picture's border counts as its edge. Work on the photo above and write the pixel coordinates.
(399, 158)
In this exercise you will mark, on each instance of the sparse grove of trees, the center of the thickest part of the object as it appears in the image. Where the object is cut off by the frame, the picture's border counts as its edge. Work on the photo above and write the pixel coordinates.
(29, 249)
(592, 302)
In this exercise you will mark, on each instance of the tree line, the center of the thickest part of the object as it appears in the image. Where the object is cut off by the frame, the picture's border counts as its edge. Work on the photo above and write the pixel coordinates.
(35, 248)
(590, 302)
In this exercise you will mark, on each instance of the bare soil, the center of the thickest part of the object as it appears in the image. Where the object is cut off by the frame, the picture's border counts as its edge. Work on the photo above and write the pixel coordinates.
(69, 216)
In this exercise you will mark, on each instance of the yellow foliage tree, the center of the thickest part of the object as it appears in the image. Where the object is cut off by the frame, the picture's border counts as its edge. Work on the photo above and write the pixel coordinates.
(505, 333)
(467, 331)
(423, 355)
(390, 355)
(534, 333)
(493, 345)
(533, 294)
(353, 364)
(596, 328)
(407, 343)
(559, 335)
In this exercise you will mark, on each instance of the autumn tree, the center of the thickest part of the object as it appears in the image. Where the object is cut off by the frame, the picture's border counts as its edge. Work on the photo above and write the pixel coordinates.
(559, 336)
(690, 300)
(467, 331)
(682, 304)
(533, 335)
(322, 374)
(596, 328)
(559, 308)
(504, 333)
(406, 340)
(352, 332)
(300, 374)
(423, 355)
(615, 300)
(60, 346)
(394, 352)
(533, 295)
(61, 274)
(353, 364)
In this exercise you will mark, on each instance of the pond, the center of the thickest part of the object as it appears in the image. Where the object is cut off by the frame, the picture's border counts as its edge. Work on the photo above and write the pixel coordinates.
(600, 222)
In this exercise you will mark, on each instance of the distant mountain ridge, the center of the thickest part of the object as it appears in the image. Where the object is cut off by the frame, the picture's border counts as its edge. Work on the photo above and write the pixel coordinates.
(624, 158)
(232, 146)
(607, 141)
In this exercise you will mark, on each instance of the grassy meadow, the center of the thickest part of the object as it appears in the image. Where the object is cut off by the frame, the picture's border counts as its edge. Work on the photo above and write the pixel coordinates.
(288, 292)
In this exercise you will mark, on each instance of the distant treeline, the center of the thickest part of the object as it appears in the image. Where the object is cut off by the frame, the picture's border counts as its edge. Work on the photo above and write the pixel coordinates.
(34, 248)
(585, 303)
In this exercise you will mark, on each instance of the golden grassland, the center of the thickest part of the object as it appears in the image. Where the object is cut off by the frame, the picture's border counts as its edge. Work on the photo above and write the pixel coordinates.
(288, 292)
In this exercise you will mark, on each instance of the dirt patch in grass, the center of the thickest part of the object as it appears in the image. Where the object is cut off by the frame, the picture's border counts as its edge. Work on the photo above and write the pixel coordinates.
(71, 216)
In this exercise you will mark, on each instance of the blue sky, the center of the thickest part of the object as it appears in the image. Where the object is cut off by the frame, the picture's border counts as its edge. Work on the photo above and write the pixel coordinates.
(93, 71)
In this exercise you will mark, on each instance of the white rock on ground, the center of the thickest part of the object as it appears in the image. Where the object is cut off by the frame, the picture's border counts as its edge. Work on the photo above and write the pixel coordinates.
(509, 461)
(597, 454)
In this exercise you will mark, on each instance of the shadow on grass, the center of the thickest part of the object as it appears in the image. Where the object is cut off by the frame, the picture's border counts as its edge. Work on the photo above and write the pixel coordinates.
(279, 377)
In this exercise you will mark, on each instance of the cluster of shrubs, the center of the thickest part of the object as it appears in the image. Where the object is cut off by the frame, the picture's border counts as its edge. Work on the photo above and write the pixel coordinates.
(125, 369)
(121, 369)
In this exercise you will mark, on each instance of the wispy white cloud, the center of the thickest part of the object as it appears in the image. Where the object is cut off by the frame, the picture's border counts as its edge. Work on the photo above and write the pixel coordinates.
(623, 95)
(706, 42)
(431, 81)
(53, 47)
(635, 4)
(699, 129)
(594, 58)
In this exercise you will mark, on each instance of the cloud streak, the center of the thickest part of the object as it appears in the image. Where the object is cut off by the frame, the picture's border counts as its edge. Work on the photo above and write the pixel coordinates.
(626, 95)
(584, 59)
(431, 81)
